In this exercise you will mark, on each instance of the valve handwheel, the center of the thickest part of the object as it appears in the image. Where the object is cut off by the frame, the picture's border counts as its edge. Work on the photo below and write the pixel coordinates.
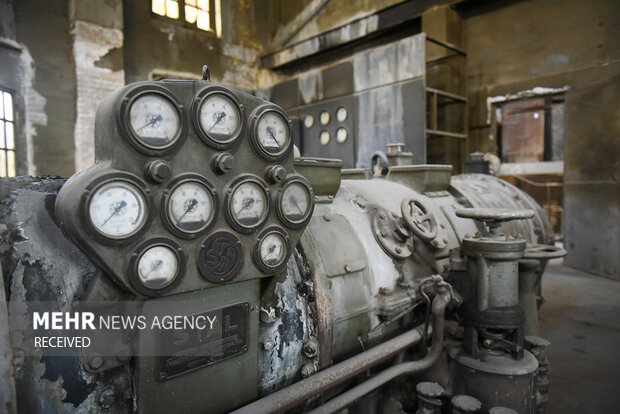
(419, 221)
(494, 217)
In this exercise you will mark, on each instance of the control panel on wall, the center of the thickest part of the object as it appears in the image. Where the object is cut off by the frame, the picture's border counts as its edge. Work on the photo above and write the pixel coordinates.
(193, 186)
(328, 130)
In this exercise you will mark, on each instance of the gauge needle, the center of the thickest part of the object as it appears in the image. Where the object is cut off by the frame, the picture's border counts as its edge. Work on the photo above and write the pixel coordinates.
(273, 135)
(190, 207)
(220, 116)
(247, 203)
(117, 210)
(292, 200)
(154, 266)
(151, 121)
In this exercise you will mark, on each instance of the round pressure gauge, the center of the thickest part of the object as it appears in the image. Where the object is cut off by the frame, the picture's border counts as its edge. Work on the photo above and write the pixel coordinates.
(324, 118)
(154, 119)
(117, 209)
(219, 117)
(156, 266)
(247, 204)
(271, 250)
(272, 135)
(308, 121)
(189, 207)
(325, 137)
(342, 114)
(295, 202)
(341, 135)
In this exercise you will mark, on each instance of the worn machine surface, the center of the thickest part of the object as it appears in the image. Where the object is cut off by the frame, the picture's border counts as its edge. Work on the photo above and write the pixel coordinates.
(396, 289)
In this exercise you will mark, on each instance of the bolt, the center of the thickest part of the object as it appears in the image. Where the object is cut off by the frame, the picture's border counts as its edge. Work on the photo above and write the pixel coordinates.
(107, 398)
(223, 163)
(382, 216)
(310, 348)
(95, 361)
(123, 354)
(347, 268)
(383, 233)
(327, 218)
(159, 170)
(385, 291)
(307, 370)
(267, 345)
(275, 173)
(397, 249)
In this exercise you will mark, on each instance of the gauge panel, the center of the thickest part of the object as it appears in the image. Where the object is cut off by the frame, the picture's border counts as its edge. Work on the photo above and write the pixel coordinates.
(295, 202)
(248, 203)
(271, 250)
(271, 132)
(156, 266)
(189, 206)
(115, 208)
(217, 116)
(152, 119)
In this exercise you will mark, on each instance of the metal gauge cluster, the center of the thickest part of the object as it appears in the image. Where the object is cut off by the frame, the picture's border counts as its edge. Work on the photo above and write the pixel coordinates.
(325, 119)
(125, 210)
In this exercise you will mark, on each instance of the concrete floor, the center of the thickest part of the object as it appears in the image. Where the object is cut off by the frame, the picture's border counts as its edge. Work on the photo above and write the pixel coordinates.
(581, 318)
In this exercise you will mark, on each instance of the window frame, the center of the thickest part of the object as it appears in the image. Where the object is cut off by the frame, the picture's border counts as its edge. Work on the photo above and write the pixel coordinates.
(184, 23)
(3, 147)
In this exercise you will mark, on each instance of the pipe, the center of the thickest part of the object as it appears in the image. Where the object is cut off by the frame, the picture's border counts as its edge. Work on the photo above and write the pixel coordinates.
(295, 394)
(345, 399)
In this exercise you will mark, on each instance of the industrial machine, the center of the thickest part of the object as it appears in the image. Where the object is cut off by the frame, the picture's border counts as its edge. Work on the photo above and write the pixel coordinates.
(395, 289)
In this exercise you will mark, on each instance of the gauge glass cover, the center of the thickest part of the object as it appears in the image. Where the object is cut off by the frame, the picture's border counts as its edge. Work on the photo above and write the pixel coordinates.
(117, 210)
(308, 121)
(342, 114)
(154, 120)
(272, 249)
(190, 207)
(341, 135)
(219, 118)
(248, 204)
(272, 133)
(295, 202)
(324, 117)
(158, 267)
(324, 137)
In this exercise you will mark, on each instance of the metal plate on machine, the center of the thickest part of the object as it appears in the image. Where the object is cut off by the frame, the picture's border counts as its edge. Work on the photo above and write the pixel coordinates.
(224, 337)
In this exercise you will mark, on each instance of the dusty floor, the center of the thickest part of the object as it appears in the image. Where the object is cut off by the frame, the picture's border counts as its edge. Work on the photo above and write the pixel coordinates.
(581, 318)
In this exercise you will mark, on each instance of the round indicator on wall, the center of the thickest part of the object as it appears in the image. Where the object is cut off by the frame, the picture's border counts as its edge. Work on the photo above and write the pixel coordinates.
(308, 121)
(342, 114)
(325, 137)
(295, 202)
(271, 250)
(324, 117)
(220, 257)
(156, 266)
(190, 206)
(341, 135)
(271, 132)
(117, 209)
(247, 203)
(218, 116)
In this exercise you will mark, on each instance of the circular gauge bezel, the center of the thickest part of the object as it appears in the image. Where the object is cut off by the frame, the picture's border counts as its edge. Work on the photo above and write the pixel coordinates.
(258, 261)
(234, 267)
(346, 137)
(204, 135)
(164, 209)
(95, 185)
(228, 211)
(329, 137)
(130, 135)
(255, 119)
(132, 268)
(325, 114)
(308, 119)
(279, 210)
(340, 110)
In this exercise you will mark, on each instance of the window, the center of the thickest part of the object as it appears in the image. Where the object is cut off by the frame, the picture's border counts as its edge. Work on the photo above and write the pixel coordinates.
(203, 14)
(7, 135)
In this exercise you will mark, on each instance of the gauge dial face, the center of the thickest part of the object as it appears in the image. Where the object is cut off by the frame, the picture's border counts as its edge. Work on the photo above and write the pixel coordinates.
(341, 135)
(324, 138)
(158, 267)
(190, 207)
(154, 120)
(324, 118)
(308, 121)
(117, 210)
(248, 204)
(272, 133)
(272, 250)
(219, 118)
(342, 114)
(295, 202)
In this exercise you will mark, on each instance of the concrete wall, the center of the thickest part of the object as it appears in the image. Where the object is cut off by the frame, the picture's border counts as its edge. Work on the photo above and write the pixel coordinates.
(557, 43)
